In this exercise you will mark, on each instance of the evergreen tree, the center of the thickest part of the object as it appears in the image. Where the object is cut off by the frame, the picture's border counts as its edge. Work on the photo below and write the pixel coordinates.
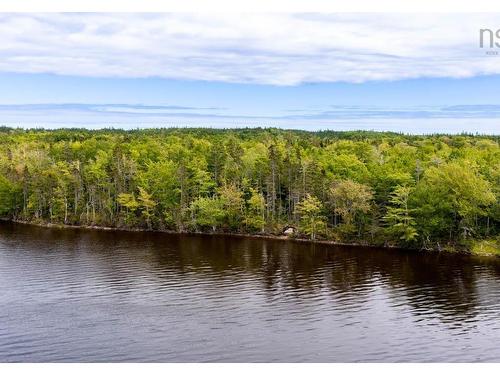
(401, 224)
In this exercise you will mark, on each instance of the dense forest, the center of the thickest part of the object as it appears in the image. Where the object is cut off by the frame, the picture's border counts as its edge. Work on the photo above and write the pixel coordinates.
(432, 192)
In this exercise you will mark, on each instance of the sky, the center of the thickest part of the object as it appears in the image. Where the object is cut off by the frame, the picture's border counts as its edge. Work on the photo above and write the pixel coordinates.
(413, 73)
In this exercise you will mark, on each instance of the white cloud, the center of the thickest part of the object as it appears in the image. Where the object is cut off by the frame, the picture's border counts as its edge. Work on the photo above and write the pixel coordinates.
(280, 49)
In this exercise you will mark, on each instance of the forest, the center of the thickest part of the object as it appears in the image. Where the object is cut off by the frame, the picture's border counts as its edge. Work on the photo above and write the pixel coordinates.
(385, 189)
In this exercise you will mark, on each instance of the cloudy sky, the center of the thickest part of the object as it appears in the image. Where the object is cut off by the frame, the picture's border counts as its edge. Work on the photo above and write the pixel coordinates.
(413, 73)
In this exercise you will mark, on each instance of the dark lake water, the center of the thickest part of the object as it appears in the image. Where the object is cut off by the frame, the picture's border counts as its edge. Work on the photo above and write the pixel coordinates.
(81, 295)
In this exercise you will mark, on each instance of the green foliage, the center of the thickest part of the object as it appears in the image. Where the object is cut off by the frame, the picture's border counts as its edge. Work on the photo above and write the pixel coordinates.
(311, 220)
(352, 201)
(255, 213)
(401, 223)
(7, 196)
(232, 202)
(146, 204)
(131, 205)
(451, 199)
(208, 212)
(419, 191)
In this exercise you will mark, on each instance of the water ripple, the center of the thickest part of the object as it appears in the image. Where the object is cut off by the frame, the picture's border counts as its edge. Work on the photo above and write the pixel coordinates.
(101, 296)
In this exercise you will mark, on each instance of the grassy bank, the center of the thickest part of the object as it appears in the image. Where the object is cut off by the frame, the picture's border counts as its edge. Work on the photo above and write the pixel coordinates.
(490, 247)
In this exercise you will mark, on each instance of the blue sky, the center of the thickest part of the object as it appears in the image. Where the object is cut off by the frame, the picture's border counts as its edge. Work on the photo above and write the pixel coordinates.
(307, 71)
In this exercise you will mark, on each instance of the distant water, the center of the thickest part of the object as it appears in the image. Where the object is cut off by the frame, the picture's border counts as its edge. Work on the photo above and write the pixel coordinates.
(77, 295)
(418, 119)
(482, 126)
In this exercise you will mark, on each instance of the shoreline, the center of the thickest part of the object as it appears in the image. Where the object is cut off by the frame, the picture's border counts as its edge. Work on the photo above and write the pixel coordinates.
(265, 236)
(228, 234)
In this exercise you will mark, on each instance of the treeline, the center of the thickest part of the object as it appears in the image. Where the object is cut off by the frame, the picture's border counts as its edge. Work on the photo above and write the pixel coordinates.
(364, 187)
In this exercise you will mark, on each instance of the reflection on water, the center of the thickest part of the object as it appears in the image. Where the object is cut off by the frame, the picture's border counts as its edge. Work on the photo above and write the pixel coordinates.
(78, 295)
